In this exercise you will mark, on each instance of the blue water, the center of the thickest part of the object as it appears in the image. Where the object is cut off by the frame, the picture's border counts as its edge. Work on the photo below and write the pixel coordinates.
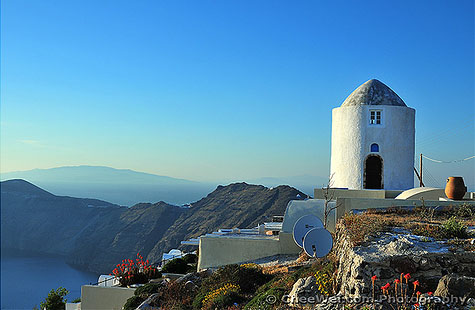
(27, 279)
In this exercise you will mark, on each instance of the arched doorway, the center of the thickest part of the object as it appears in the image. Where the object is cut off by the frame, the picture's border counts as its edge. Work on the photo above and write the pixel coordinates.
(373, 173)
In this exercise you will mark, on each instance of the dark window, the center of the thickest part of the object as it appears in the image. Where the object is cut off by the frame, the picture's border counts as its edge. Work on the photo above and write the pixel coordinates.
(375, 117)
(374, 148)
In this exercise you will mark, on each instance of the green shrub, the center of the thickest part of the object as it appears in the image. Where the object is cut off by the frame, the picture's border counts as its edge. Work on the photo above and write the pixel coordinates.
(198, 300)
(465, 210)
(261, 302)
(454, 228)
(55, 299)
(226, 300)
(148, 289)
(177, 265)
(133, 302)
(248, 279)
(191, 258)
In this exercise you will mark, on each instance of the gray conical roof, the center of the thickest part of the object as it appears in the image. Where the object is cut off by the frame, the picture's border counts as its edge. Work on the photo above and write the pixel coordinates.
(373, 92)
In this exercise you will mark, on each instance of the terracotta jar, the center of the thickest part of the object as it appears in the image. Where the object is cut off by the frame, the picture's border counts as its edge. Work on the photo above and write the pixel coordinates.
(455, 188)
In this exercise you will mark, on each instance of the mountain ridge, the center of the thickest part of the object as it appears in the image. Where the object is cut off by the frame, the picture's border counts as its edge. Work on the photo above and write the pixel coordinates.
(128, 187)
(95, 235)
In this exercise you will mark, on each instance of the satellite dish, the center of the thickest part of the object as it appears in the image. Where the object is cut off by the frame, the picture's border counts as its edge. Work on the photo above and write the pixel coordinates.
(318, 242)
(303, 226)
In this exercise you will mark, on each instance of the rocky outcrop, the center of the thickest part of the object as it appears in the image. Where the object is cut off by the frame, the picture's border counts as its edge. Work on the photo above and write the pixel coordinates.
(454, 285)
(150, 303)
(388, 254)
(303, 290)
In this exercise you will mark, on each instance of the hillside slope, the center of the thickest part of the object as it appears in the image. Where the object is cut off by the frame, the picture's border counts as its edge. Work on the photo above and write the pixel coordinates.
(96, 235)
(236, 205)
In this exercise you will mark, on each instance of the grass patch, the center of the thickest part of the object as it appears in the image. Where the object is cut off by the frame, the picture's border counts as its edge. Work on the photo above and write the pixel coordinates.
(359, 226)
(438, 223)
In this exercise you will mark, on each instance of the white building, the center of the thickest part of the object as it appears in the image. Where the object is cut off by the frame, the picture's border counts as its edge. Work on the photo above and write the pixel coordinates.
(174, 253)
(373, 140)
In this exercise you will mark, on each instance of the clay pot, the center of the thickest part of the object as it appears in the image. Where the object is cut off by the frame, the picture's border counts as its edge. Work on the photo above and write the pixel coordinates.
(455, 188)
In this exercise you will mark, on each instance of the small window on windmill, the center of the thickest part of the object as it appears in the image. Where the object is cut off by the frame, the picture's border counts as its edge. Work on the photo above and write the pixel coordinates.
(374, 148)
(375, 117)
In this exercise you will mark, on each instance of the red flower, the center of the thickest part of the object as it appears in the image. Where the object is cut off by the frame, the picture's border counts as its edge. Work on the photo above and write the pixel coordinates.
(388, 285)
(373, 278)
(415, 283)
(429, 293)
(407, 276)
(397, 281)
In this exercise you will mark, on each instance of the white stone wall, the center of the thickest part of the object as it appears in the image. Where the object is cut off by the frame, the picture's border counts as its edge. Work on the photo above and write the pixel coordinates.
(352, 136)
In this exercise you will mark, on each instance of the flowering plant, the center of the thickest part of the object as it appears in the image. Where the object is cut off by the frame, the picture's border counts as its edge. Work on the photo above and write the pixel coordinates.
(401, 296)
(324, 282)
(138, 271)
(212, 296)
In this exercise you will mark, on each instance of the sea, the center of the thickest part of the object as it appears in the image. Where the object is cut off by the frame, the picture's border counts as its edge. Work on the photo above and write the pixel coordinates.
(26, 279)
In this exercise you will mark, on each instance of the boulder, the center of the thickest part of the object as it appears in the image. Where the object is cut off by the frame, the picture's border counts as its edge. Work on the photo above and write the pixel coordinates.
(304, 293)
(151, 303)
(455, 285)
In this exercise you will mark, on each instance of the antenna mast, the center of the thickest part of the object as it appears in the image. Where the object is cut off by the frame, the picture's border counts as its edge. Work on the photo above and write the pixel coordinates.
(421, 184)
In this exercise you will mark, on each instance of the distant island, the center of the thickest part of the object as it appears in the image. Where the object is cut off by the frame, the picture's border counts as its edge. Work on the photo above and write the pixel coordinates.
(128, 187)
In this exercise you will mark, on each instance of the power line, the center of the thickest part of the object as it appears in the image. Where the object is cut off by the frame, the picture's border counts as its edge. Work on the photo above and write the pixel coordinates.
(444, 134)
(448, 162)
(432, 180)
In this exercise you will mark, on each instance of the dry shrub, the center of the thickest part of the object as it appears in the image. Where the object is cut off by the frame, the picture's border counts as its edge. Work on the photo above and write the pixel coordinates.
(359, 226)
(176, 296)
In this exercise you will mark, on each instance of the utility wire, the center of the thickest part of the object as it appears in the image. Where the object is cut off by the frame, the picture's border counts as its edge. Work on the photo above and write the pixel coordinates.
(444, 134)
(448, 162)
(432, 180)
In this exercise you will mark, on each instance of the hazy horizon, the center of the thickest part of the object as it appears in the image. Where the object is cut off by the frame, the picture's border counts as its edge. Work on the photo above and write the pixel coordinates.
(128, 187)
(231, 179)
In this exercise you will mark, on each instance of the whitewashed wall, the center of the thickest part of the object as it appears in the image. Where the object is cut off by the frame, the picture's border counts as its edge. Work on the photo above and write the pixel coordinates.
(352, 136)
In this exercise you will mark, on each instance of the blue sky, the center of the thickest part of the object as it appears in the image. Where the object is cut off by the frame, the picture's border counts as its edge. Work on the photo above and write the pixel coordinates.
(221, 90)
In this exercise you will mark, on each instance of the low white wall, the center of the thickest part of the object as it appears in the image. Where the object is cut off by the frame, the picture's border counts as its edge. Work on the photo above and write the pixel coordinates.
(99, 297)
(73, 306)
(220, 251)
(350, 193)
(348, 204)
